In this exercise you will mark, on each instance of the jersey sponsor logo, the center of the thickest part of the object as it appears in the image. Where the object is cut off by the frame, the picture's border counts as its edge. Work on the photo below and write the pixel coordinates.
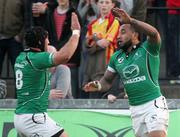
(131, 74)
(131, 71)
(120, 60)
(153, 118)
(25, 94)
(137, 55)
(135, 80)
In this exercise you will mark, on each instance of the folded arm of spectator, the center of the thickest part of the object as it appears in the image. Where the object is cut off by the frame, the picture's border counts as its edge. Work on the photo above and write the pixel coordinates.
(56, 94)
(91, 49)
(39, 8)
(103, 43)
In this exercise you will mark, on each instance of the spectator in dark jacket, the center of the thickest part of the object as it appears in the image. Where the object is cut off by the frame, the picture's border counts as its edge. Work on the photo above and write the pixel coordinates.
(36, 12)
(59, 28)
(11, 29)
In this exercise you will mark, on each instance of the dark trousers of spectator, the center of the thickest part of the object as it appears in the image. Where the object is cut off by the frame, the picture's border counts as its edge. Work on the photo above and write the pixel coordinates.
(12, 48)
(75, 81)
(173, 46)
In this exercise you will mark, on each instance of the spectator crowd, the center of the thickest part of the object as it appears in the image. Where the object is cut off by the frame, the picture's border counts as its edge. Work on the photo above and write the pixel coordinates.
(99, 29)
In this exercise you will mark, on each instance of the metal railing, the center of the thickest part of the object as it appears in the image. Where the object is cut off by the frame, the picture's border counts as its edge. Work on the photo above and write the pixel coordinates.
(86, 104)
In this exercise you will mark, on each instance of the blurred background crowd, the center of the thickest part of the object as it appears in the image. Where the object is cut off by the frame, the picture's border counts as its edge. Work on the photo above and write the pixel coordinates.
(99, 27)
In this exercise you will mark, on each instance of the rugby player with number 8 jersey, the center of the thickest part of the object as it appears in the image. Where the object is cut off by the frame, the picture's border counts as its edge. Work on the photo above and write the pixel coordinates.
(33, 82)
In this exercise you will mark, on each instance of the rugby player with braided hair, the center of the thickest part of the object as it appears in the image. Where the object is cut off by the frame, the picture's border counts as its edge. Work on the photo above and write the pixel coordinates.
(33, 82)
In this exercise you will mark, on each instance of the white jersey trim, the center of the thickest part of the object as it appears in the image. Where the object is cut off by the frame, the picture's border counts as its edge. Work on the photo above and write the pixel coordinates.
(111, 69)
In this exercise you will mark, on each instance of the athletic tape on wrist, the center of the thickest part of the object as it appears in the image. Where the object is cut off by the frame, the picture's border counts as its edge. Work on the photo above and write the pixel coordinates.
(76, 32)
(98, 85)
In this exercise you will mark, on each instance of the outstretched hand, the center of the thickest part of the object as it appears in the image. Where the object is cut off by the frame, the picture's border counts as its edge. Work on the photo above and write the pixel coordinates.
(75, 25)
(91, 86)
(121, 16)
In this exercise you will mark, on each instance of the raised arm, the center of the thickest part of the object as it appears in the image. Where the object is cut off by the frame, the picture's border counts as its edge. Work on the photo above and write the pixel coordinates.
(150, 31)
(66, 52)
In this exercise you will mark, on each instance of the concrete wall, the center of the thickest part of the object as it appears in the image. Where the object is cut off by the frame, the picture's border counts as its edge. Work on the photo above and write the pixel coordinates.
(87, 104)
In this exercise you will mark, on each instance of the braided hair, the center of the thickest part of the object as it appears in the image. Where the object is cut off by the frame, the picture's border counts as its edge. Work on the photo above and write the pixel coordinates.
(35, 38)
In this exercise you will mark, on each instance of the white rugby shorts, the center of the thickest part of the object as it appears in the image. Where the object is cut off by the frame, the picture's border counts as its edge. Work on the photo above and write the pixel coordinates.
(32, 125)
(151, 116)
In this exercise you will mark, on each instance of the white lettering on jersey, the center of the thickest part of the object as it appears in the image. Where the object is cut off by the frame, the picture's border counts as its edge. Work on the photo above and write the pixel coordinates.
(135, 80)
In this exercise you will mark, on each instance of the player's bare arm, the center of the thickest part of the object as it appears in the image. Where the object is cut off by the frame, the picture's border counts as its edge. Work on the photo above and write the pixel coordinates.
(107, 80)
(150, 31)
(101, 86)
(65, 53)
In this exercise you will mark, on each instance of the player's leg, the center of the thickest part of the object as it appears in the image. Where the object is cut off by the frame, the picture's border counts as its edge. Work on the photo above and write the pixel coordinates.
(157, 134)
(157, 118)
(39, 124)
(64, 134)
(150, 119)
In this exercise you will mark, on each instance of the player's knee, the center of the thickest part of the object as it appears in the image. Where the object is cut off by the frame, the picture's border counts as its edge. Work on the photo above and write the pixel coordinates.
(64, 134)
(160, 133)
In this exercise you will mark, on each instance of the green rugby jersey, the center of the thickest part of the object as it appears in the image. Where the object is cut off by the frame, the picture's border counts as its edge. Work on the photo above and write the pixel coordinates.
(32, 81)
(139, 72)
